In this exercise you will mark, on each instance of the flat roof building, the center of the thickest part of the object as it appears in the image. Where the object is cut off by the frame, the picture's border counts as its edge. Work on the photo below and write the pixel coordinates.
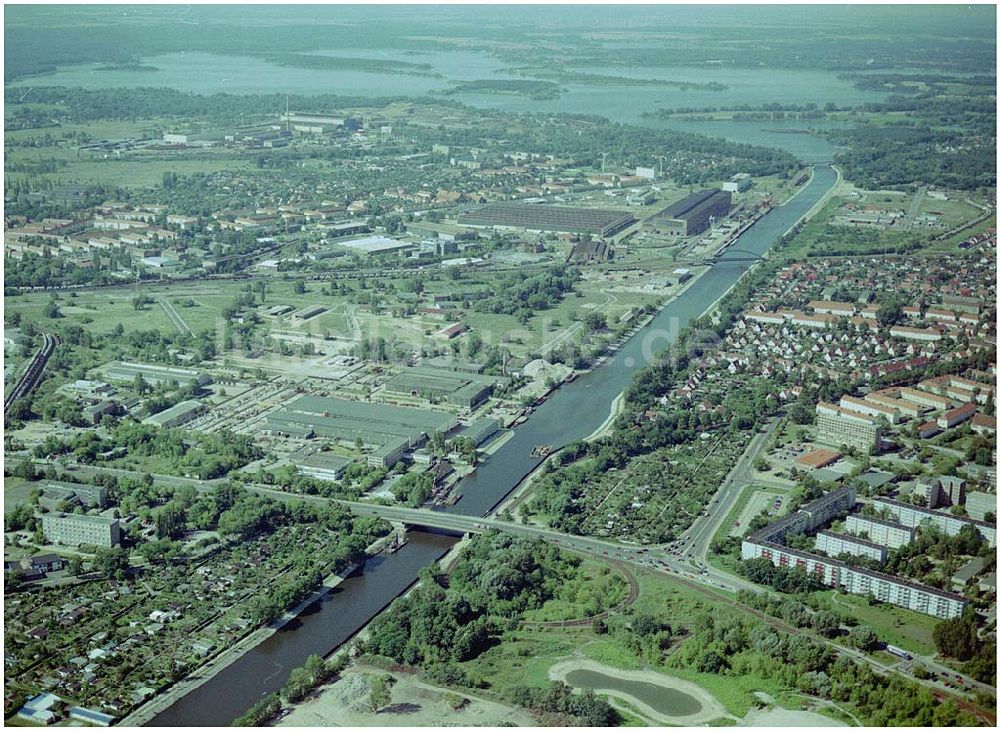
(376, 244)
(373, 424)
(692, 214)
(77, 529)
(91, 496)
(887, 533)
(838, 426)
(481, 430)
(828, 506)
(538, 217)
(834, 544)
(174, 416)
(857, 581)
(157, 374)
(323, 466)
(910, 515)
(454, 387)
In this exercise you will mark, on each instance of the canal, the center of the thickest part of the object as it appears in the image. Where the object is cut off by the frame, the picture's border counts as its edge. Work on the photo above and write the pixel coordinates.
(571, 413)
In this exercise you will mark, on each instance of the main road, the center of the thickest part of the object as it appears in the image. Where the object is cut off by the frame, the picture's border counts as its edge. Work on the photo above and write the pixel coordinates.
(573, 412)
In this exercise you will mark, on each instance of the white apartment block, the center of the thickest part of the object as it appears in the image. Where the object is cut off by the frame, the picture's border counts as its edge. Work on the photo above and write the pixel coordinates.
(834, 573)
(838, 426)
(866, 407)
(834, 545)
(887, 533)
(76, 529)
(950, 524)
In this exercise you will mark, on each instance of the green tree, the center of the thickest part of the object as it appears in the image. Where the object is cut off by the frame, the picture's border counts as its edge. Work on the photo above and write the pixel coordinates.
(112, 563)
(379, 694)
(957, 637)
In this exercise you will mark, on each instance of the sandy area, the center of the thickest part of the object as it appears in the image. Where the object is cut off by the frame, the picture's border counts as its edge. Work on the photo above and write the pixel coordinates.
(414, 704)
(777, 717)
(710, 706)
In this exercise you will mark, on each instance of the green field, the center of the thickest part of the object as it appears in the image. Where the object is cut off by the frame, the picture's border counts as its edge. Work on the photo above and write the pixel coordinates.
(892, 624)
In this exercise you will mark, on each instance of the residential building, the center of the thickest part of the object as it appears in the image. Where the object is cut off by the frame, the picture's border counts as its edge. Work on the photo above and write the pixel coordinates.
(838, 426)
(828, 506)
(978, 504)
(78, 529)
(833, 544)
(957, 416)
(879, 531)
(857, 581)
(910, 515)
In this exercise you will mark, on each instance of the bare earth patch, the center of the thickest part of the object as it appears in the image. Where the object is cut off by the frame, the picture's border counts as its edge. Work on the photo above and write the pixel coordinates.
(414, 703)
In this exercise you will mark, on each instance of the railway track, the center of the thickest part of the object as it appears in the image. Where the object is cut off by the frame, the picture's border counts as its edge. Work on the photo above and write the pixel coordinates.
(33, 375)
(175, 317)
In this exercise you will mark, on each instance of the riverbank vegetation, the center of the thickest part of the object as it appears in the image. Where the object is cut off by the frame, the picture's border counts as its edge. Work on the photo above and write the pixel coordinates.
(532, 88)
(449, 620)
(569, 76)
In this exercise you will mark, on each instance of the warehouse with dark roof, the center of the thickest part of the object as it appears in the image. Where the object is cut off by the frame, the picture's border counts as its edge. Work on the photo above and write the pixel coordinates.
(692, 214)
(536, 217)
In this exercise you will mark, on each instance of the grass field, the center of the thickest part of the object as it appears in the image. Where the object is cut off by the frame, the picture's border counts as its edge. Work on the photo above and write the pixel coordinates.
(892, 624)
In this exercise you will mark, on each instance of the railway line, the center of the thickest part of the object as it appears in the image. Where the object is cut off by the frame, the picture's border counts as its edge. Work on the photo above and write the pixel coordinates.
(33, 374)
(174, 316)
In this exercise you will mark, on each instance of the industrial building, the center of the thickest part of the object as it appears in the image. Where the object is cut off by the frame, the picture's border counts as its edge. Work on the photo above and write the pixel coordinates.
(375, 244)
(179, 414)
(454, 387)
(537, 217)
(454, 364)
(91, 496)
(387, 455)
(738, 183)
(586, 252)
(156, 374)
(481, 430)
(692, 214)
(373, 424)
(77, 529)
(312, 123)
(94, 413)
(323, 466)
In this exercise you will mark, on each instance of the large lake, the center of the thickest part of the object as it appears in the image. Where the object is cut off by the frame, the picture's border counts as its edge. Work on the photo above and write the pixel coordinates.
(204, 73)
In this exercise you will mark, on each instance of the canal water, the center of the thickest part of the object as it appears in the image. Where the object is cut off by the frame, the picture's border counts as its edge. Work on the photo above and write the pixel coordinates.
(572, 412)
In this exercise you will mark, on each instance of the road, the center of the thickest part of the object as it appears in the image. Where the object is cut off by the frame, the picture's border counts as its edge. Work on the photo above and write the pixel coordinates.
(698, 538)
(911, 214)
(33, 374)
